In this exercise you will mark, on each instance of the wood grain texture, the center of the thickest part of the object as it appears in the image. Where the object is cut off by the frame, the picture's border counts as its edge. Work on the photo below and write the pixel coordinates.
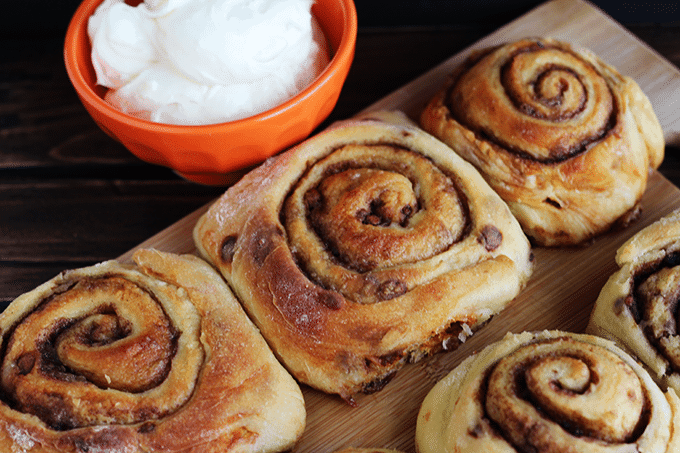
(566, 281)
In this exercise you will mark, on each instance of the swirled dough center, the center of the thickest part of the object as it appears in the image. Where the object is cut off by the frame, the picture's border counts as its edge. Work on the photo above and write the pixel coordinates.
(361, 205)
(99, 352)
(570, 384)
(543, 102)
(660, 293)
(366, 209)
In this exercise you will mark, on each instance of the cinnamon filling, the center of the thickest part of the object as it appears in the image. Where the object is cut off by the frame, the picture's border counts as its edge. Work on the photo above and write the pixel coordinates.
(546, 394)
(363, 211)
(562, 104)
(655, 306)
(86, 354)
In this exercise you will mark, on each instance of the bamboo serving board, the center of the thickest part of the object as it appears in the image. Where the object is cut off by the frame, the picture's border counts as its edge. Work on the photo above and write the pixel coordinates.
(565, 282)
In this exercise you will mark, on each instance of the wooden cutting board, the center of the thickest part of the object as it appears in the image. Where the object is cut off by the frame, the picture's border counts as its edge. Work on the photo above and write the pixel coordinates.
(565, 283)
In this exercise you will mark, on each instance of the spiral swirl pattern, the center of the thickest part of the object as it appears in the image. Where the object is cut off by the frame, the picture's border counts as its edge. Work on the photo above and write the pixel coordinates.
(551, 391)
(639, 303)
(568, 382)
(367, 209)
(104, 346)
(555, 130)
(560, 97)
(658, 295)
(365, 247)
(121, 358)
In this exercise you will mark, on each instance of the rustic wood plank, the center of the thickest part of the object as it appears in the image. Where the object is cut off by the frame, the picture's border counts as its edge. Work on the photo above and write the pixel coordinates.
(97, 206)
(82, 222)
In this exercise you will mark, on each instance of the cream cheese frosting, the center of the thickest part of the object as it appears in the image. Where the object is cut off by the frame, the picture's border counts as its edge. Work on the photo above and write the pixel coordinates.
(204, 61)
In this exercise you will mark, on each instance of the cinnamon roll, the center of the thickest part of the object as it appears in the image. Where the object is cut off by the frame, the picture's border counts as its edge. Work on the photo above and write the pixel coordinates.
(367, 246)
(638, 306)
(563, 137)
(549, 392)
(152, 357)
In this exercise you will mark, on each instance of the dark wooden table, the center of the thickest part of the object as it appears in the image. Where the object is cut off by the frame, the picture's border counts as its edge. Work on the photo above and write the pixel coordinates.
(70, 196)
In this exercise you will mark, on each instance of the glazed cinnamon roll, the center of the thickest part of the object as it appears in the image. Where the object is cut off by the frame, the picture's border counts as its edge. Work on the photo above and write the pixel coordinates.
(152, 357)
(565, 139)
(365, 247)
(638, 306)
(548, 392)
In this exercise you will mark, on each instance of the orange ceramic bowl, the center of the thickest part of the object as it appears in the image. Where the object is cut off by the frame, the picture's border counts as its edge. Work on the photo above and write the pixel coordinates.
(216, 154)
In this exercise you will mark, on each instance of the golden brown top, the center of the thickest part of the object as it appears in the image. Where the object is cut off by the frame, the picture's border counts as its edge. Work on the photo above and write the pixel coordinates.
(564, 138)
(548, 391)
(366, 246)
(367, 208)
(156, 356)
(564, 102)
(101, 343)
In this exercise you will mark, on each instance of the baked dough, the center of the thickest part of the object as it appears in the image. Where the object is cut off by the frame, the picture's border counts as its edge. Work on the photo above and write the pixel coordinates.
(638, 305)
(152, 357)
(565, 139)
(549, 391)
(367, 246)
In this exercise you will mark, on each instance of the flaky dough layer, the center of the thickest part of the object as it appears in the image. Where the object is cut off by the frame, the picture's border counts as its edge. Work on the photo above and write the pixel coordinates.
(363, 248)
(548, 391)
(152, 357)
(637, 306)
(563, 137)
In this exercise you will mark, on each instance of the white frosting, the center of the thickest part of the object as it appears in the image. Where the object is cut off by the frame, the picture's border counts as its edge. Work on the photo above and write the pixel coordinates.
(204, 61)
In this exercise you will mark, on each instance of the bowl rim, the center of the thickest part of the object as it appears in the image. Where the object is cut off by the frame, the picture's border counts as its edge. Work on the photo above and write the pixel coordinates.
(78, 26)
